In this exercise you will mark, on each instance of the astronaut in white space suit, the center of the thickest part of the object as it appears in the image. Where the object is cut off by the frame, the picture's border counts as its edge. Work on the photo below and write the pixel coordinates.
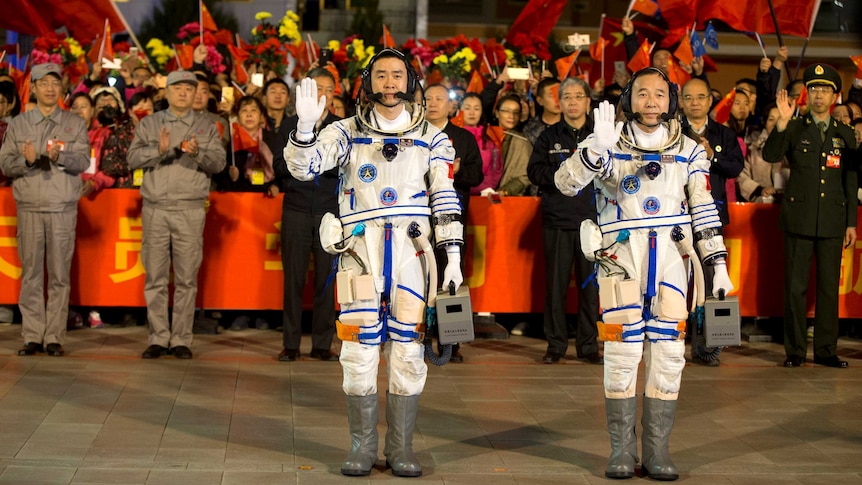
(652, 199)
(395, 170)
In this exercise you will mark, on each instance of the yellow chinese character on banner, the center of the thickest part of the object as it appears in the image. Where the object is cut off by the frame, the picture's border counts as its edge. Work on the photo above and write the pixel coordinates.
(131, 234)
(7, 268)
(273, 243)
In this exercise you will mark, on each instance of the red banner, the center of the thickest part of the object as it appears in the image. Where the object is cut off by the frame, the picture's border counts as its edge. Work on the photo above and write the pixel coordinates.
(504, 266)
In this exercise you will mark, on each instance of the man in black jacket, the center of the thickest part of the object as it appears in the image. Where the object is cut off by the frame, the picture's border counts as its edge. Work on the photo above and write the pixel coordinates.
(303, 207)
(722, 149)
(561, 221)
(468, 163)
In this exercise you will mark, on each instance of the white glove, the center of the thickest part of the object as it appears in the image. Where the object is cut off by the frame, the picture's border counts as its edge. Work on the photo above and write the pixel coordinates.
(487, 191)
(605, 133)
(331, 233)
(721, 281)
(309, 109)
(453, 268)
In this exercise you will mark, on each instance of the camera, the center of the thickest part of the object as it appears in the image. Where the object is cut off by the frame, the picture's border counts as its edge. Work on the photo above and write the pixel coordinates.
(325, 56)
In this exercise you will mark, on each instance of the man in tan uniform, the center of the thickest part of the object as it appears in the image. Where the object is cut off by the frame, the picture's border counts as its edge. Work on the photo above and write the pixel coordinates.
(179, 150)
(44, 152)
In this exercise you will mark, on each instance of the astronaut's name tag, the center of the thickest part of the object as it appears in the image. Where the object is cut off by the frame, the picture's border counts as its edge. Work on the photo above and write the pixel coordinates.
(833, 161)
(138, 177)
(405, 142)
(257, 177)
(667, 159)
(59, 143)
(92, 168)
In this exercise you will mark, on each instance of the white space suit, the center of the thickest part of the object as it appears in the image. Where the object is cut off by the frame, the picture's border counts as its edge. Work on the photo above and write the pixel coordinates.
(647, 184)
(383, 165)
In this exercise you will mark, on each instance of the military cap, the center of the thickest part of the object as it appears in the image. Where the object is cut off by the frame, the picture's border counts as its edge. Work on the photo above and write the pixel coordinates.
(182, 77)
(41, 70)
(822, 74)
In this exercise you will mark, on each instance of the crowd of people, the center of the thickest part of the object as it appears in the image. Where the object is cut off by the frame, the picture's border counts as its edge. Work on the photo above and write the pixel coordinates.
(634, 176)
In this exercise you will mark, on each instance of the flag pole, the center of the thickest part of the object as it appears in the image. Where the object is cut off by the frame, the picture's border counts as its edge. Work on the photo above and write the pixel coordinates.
(133, 36)
(102, 46)
(799, 63)
(232, 151)
(628, 11)
(599, 40)
(201, 18)
(778, 32)
(760, 43)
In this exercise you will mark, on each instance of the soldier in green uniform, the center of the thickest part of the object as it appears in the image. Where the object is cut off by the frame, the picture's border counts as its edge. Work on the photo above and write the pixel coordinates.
(818, 214)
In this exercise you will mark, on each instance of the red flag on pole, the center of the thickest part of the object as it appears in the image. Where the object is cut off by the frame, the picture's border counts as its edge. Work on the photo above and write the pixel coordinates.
(242, 140)
(857, 61)
(537, 18)
(641, 58)
(646, 7)
(477, 83)
(597, 49)
(722, 109)
(185, 55)
(684, 52)
(794, 17)
(386, 39)
(207, 22)
(564, 65)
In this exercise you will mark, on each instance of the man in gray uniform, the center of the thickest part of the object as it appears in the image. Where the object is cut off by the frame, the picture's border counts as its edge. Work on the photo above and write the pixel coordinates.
(179, 150)
(44, 152)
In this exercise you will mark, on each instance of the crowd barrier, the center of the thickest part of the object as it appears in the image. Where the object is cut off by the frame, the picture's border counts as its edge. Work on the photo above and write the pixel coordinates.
(504, 266)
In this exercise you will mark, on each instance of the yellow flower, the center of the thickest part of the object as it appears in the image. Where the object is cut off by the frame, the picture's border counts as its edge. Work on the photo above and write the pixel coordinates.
(358, 48)
(292, 16)
(333, 45)
(262, 15)
(468, 54)
(255, 30)
(441, 59)
(369, 53)
(509, 55)
(75, 48)
(154, 44)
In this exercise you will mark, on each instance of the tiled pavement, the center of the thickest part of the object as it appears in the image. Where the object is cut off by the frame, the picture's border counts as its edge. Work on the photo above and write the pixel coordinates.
(235, 415)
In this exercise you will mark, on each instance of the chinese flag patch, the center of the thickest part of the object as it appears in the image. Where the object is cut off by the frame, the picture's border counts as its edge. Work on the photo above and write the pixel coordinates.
(451, 170)
(708, 185)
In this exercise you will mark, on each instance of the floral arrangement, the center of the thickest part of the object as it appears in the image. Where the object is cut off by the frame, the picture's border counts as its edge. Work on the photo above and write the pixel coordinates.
(63, 50)
(215, 60)
(270, 43)
(457, 66)
(530, 48)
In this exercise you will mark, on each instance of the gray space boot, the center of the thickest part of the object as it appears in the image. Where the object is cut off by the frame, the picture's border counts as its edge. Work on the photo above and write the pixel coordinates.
(401, 418)
(657, 423)
(622, 416)
(362, 417)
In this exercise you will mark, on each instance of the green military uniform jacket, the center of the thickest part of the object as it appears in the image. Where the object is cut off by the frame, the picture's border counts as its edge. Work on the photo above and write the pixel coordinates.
(820, 197)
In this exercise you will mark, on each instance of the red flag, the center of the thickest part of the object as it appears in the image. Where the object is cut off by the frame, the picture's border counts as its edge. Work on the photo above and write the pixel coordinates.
(477, 83)
(242, 140)
(564, 65)
(794, 17)
(679, 13)
(597, 48)
(357, 83)
(495, 134)
(185, 55)
(684, 52)
(207, 21)
(26, 18)
(676, 73)
(458, 119)
(239, 55)
(641, 58)
(722, 109)
(857, 61)
(615, 49)
(240, 73)
(802, 100)
(386, 39)
(646, 7)
(24, 91)
(537, 18)
(107, 43)
(83, 18)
